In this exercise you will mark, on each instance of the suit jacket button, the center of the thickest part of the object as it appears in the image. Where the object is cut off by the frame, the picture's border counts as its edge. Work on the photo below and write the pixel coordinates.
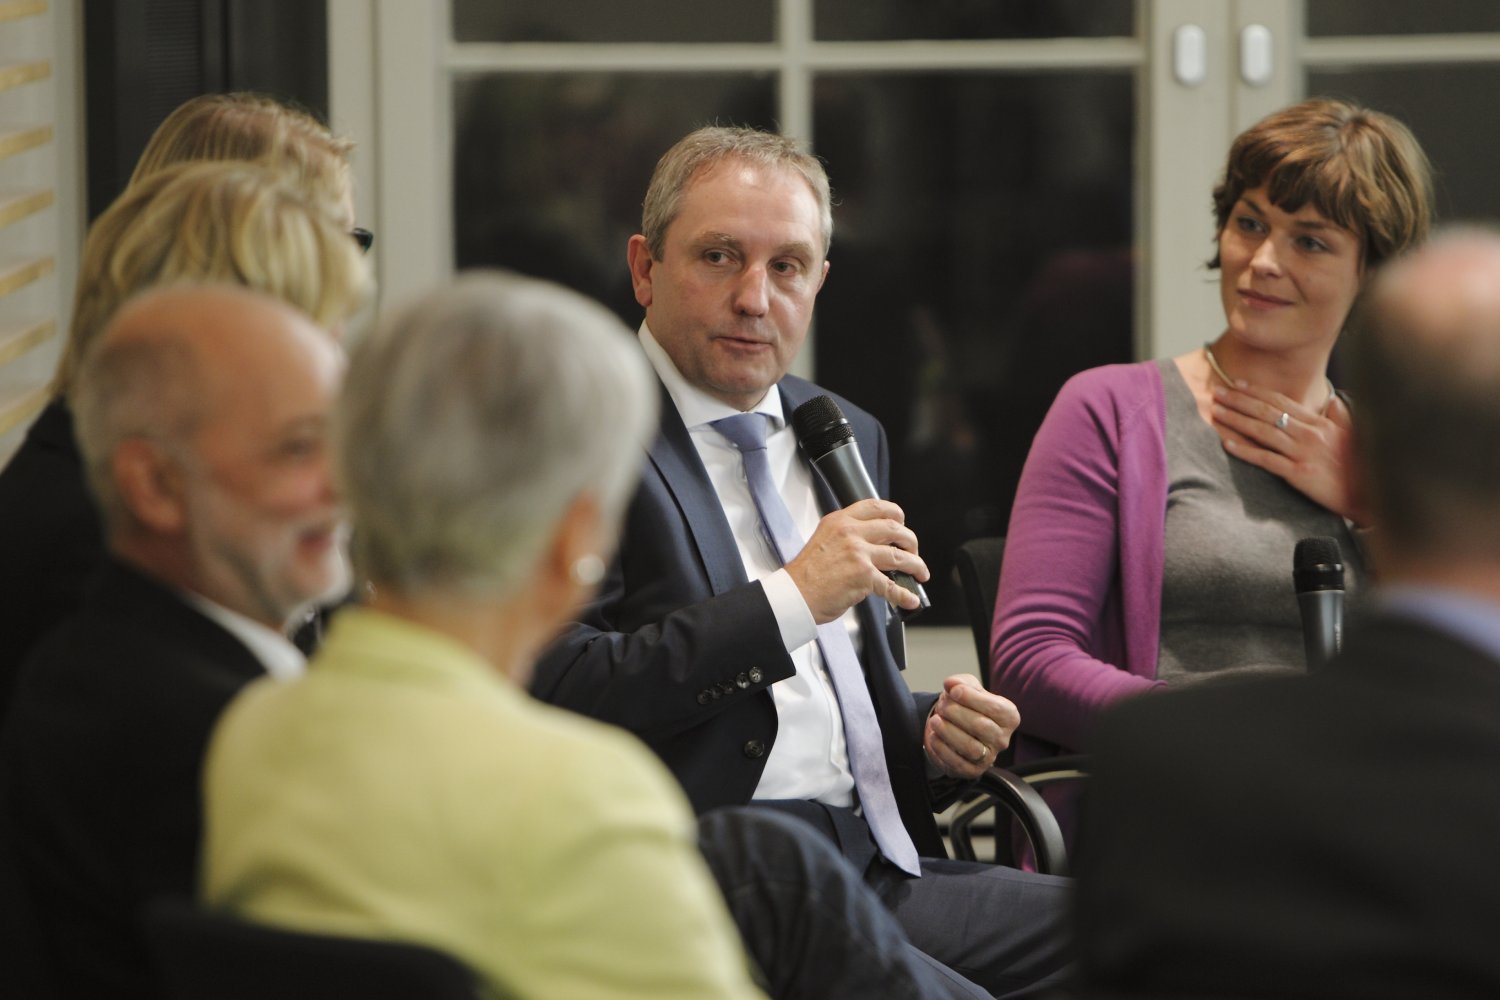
(756, 676)
(742, 681)
(754, 749)
(703, 697)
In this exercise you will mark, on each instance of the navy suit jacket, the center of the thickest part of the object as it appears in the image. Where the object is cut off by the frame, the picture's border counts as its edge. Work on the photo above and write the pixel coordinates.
(681, 649)
(1331, 835)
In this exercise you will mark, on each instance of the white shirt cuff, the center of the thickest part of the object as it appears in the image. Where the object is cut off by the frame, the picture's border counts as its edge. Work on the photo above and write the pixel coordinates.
(793, 616)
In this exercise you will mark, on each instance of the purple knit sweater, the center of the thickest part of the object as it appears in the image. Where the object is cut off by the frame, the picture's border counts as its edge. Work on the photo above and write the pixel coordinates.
(1078, 618)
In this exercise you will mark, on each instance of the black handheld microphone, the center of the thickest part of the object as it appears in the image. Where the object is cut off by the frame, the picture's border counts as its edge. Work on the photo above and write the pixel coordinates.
(1318, 573)
(828, 441)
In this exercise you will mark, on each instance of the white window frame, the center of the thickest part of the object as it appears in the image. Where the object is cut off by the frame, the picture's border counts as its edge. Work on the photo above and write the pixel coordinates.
(391, 63)
(410, 178)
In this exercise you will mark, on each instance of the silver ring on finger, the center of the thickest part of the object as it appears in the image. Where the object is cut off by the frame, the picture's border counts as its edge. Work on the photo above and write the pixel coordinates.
(1283, 420)
(984, 753)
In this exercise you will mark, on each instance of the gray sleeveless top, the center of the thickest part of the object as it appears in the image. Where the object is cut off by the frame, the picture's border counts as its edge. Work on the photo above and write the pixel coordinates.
(1228, 605)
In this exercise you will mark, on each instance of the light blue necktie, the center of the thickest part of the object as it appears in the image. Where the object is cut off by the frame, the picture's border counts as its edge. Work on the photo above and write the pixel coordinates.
(872, 780)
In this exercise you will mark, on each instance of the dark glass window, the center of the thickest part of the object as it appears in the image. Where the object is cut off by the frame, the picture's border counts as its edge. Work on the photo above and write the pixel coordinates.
(893, 20)
(550, 168)
(981, 253)
(1456, 134)
(981, 256)
(613, 21)
(1429, 17)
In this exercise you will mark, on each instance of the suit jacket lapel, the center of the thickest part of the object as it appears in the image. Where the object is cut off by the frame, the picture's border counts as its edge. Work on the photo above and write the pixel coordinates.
(676, 461)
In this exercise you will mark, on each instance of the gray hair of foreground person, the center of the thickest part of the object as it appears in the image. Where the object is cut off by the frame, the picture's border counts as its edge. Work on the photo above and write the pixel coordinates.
(473, 418)
(1423, 357)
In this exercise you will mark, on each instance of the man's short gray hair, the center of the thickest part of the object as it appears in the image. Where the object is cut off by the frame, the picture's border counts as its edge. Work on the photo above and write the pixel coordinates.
(712, 145)
(471, 419)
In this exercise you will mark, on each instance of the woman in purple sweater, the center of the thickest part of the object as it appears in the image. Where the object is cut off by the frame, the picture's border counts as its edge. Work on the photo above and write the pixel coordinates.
(1152, 534)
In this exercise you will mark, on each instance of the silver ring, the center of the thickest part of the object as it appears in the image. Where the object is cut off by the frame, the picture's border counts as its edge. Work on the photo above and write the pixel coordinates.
(983, 753)
(1283, 420)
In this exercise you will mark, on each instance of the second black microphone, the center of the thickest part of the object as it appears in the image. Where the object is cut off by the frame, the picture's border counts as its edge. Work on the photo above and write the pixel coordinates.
(1318, 574)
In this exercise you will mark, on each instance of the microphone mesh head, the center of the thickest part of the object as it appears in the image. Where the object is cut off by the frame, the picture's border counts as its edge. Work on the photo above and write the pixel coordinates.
(1318, 564)
(1319, 550)
(820, 425)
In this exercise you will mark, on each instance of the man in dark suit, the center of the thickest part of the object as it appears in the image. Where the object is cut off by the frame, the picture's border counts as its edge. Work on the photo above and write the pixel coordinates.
(706, 640)
(1333, 835)
(201, 416)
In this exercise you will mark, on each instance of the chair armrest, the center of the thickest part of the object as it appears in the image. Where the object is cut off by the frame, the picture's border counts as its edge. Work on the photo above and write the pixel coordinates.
(1005, 788)
(1047, 770)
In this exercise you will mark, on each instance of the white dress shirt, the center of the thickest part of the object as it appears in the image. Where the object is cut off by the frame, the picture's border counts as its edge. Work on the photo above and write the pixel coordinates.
(808, 759)
(282, 660)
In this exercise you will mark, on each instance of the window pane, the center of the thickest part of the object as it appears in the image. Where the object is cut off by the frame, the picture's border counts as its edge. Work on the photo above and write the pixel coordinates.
(1401, 17)
(549, 169)
(981, 255)
(613, 21)
(1454, 133)
(883, 20)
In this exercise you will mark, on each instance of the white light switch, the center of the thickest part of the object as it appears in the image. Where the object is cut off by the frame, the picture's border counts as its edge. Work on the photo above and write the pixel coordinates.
(1189, 55)
(1256, 56)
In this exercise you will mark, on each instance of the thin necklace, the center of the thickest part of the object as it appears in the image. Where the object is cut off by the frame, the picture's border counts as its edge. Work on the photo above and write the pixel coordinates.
(1213, 362)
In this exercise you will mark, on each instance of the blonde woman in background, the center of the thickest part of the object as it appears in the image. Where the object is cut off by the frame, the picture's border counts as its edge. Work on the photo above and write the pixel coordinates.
(50, 537)
(257, 128)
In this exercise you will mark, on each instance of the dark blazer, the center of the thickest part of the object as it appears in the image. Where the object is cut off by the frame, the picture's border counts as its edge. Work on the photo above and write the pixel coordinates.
(99, 774)
(680, 649)
(51, 541)
(1331, 835)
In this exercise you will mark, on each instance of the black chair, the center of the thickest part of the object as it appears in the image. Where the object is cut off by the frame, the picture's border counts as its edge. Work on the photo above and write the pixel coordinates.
(999, 788)
(977, 564)
(203, 955)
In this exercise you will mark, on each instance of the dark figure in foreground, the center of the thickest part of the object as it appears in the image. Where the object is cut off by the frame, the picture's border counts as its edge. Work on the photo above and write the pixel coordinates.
(1333, 835)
